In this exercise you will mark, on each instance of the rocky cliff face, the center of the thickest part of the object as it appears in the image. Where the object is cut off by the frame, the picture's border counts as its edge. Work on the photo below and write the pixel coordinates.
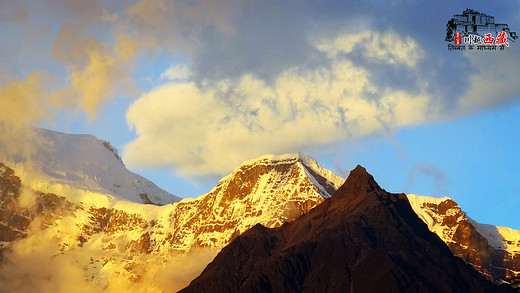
(363, 239)
(269, 190)
(13, 220)
(17, 213)
(494, 251)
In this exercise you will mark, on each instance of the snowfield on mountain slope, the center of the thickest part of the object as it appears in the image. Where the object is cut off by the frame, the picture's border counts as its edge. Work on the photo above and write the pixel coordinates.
(117, 241)
(268, 190)
(82, 168)
(502, 238)
(110, 236)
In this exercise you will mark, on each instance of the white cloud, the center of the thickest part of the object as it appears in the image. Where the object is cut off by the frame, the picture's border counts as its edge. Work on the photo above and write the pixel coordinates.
(387, 47)
(176, 72)
(495, 79)
(211, 128)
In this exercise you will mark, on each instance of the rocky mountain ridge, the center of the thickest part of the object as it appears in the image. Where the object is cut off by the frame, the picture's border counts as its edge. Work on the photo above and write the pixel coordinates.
(363, 239)
(121, 238)
(492, 250)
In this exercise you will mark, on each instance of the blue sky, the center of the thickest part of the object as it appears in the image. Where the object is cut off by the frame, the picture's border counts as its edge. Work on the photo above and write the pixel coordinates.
(473, 160)
(189, 89)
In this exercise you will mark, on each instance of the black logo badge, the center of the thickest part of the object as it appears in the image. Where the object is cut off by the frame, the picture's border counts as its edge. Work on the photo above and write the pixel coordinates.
(477, 29)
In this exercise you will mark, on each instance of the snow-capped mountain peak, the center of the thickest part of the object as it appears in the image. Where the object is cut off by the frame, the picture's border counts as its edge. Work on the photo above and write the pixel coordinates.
(268, 190)
(84, 166)
(123, 237)
(493, 250)
(315, 252)
(325, 180)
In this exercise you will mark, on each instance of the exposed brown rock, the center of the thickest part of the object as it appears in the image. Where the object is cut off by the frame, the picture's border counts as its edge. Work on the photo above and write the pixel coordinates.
(465, 241)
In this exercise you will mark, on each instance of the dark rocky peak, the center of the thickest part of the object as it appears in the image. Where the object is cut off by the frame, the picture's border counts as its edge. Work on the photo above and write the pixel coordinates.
(358, 183)
(361, 193)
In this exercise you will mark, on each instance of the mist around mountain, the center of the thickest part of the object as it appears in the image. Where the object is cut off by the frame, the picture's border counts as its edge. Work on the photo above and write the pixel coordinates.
(114, 243)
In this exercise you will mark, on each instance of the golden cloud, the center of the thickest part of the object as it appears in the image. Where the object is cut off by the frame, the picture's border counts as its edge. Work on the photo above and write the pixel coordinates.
(211, 128)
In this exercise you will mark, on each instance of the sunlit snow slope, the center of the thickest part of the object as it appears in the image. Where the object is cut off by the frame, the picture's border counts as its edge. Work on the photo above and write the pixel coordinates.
(88, 209)
(134, 243)
(268, 190)
(494, 251)
(81, 168)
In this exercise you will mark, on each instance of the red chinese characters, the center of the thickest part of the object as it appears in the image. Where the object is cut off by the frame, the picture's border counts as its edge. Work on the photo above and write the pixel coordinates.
(488, 39)
(502, 39)
(458, 39)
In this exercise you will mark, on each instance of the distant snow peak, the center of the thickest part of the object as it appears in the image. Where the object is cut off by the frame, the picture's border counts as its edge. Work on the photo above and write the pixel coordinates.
(271, 159)
(435, 212)
(492, 250)
(81, 168)
(325, 180)
(269, 190)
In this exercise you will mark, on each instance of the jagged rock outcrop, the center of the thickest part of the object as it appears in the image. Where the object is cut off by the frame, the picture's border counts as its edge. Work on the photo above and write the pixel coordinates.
(269, 190)
(492, 250)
